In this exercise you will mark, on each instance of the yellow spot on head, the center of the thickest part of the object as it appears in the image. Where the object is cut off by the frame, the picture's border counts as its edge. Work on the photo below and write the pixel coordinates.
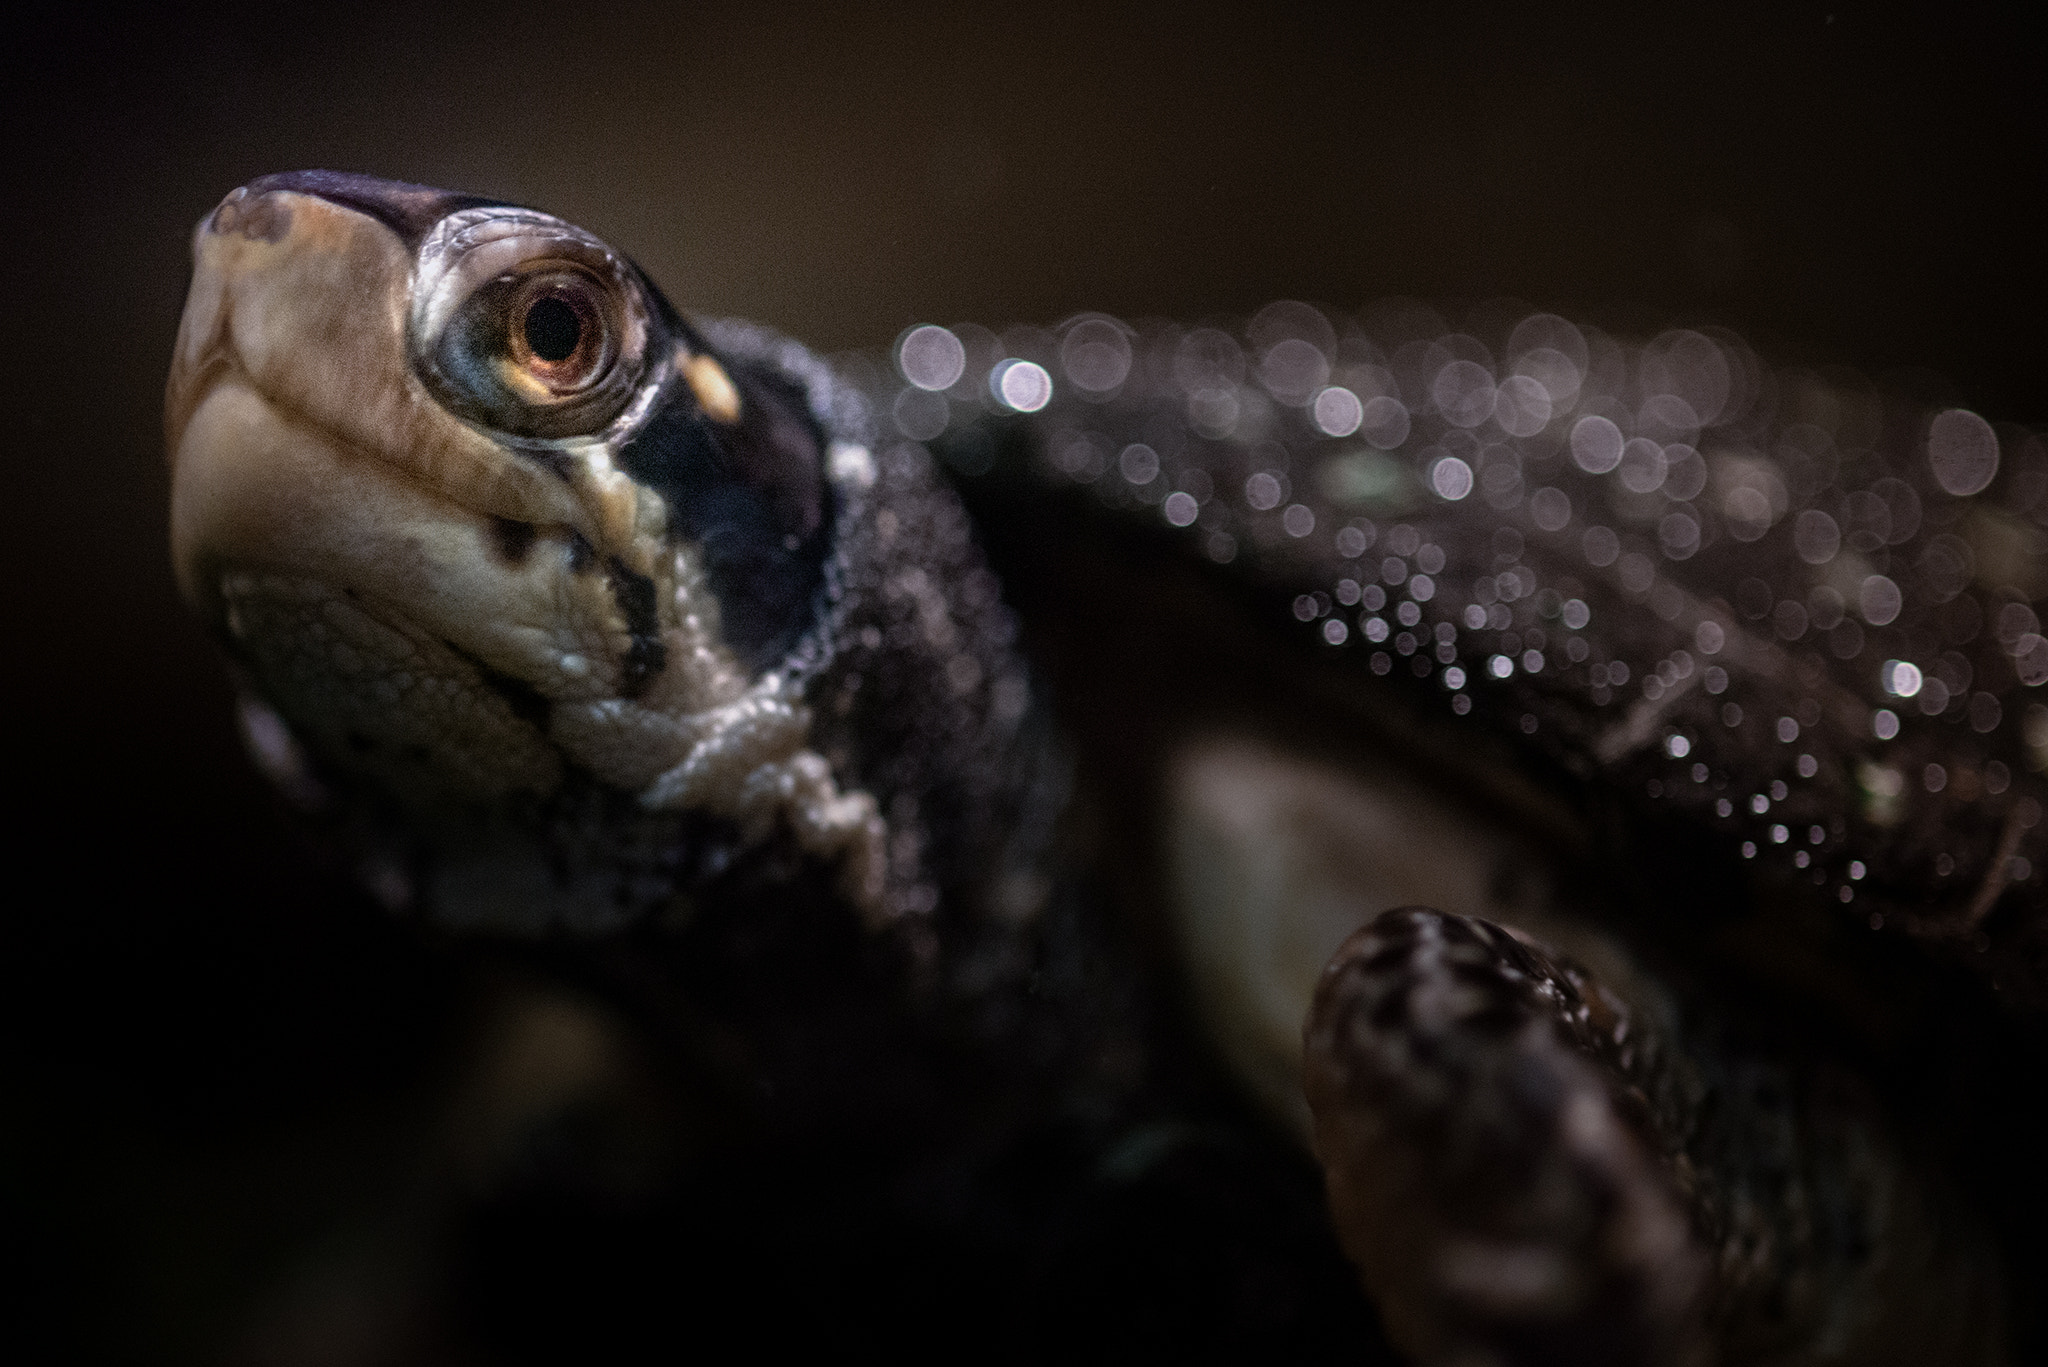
(712, 386)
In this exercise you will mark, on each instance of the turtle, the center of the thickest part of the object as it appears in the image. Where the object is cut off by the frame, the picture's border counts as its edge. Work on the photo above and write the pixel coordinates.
(1435, 835)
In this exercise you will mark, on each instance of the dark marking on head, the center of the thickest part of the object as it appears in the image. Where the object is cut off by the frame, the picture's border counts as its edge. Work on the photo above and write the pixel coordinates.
(646, 654)
(751, 494)
(408, 210)
(511, 539)
(582, 555)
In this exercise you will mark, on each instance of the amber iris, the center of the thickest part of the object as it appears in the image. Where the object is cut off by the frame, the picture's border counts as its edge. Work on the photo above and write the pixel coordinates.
(560, 333)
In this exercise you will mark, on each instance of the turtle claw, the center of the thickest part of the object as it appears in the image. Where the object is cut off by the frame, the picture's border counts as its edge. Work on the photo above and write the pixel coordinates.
(1494, 1168)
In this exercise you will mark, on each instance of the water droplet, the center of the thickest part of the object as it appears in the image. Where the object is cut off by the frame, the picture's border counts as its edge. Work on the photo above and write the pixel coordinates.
(931, 358)
(1879, 600)
(921, 415)
(1293, 369)
(1096, 354)
(1596, 444)
(1963, 450)
(1463, 392)
(2030, 659)
(1338, 411)
(1678, 535)
(1384, 422)
(1522, 406)
(1180, 510)
(1641, 470)
(1550, 509)
(1023, 385)
(1451, 478)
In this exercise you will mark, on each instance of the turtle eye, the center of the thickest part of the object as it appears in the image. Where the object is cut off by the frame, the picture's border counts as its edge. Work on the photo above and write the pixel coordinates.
(528, 327)
(561, 332)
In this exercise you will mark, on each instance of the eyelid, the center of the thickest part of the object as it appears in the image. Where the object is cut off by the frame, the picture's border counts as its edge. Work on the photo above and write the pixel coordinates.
(465, 254)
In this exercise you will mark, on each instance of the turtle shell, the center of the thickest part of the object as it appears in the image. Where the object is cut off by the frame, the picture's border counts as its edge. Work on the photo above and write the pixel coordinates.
(1792, 614)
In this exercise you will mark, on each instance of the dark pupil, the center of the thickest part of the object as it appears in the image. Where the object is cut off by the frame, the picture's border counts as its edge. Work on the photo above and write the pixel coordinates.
(553, 329)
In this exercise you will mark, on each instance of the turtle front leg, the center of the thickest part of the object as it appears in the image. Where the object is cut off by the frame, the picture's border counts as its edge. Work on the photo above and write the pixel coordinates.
(1494, 1169)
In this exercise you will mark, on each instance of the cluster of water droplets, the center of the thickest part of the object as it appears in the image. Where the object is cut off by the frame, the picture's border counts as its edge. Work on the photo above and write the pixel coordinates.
(1793, 601)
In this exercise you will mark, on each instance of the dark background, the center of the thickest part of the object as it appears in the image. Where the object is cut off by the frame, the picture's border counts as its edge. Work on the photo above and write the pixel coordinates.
(191, 1010)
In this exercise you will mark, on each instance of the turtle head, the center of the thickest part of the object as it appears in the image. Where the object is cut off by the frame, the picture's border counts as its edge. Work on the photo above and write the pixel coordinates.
(483, 518)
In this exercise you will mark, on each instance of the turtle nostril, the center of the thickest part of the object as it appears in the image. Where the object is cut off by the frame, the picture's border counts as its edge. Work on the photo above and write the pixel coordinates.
(261, 218)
